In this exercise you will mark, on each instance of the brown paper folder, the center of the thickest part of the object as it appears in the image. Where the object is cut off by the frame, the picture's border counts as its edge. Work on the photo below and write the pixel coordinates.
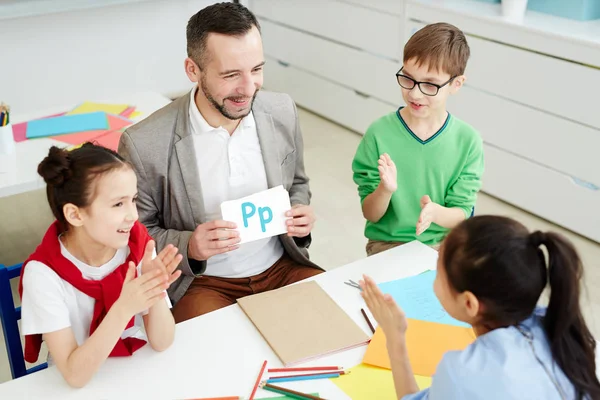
(301, 322)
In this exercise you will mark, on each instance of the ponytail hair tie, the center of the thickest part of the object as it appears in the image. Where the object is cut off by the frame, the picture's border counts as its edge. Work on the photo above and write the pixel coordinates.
(537, 238)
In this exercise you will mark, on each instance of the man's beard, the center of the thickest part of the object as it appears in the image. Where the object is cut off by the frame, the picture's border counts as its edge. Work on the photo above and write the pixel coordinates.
(221, 107)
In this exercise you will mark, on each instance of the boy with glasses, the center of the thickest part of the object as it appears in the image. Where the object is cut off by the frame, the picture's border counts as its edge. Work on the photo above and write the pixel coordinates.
(418, 169)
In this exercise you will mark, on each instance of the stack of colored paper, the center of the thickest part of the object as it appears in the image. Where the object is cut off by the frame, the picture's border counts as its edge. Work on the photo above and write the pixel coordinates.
(102, 124)
(426, 342)
(366, 382)
(431, 333)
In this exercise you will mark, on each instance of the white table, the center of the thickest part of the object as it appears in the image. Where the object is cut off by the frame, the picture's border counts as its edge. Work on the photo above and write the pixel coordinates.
(20, 174)
(220, 354)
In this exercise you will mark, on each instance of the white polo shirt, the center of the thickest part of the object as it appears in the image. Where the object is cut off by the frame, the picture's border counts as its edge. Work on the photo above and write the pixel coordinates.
(231, 167)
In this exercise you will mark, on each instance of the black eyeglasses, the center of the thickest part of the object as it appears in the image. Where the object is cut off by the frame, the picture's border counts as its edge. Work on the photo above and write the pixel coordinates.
(427, 88)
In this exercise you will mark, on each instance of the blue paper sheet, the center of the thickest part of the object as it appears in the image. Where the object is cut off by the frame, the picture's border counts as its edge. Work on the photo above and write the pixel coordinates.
(66, 124)
(416, 297)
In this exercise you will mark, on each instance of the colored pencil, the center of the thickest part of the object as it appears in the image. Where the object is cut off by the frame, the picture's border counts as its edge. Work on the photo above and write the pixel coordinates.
(220, 398)
(300, 369)
(4, 114)
(302, 378)
(367, 319)
(340, 372)
(258, 379)
(289, 392)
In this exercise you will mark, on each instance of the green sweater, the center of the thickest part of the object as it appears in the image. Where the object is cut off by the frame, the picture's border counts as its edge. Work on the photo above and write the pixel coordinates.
(447, 167)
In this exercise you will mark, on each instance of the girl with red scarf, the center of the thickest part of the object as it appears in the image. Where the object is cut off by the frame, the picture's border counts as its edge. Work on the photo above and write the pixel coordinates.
(94, 288)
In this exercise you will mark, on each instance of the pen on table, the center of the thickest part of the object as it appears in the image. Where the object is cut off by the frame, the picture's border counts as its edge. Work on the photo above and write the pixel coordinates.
(353, 284)
(368, 320)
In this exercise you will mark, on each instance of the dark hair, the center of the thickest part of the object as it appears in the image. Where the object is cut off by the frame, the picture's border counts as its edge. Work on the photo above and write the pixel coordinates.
(69, 175)
(441, 47)
(502, 264)
(231, 19)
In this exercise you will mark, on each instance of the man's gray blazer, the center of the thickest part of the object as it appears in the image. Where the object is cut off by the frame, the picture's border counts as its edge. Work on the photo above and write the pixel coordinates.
(170, 204)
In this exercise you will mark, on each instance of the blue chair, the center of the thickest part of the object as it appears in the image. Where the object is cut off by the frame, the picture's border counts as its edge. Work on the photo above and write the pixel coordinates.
(9, 315)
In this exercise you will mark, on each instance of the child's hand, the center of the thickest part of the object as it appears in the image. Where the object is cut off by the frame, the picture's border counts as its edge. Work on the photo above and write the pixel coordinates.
(166, 261)
(426, 217)
(141, 293)
(387, 173)
(387, 313)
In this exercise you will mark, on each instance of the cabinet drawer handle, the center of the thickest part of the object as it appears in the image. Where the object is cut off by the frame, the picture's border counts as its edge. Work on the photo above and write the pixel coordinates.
(361, 94)
(585, 184)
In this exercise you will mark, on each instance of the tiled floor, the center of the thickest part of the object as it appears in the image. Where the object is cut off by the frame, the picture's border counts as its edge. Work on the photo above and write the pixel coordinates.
(338, 236)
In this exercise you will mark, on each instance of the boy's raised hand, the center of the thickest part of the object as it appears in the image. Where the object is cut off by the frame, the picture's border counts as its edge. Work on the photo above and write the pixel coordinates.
(426, 217)
(166, 261)
(387, 173)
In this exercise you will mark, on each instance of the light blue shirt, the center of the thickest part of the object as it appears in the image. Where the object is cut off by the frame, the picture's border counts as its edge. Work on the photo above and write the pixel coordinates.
(500, 365)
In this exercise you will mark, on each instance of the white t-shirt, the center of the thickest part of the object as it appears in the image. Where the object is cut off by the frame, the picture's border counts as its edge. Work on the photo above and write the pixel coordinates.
(50, 303)
(231, 167)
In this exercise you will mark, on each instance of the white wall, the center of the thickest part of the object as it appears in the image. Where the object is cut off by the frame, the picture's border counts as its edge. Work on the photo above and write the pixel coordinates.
(67, 57)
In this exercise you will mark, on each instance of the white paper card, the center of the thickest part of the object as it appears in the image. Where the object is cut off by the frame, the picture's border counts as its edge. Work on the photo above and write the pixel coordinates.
(260, 215)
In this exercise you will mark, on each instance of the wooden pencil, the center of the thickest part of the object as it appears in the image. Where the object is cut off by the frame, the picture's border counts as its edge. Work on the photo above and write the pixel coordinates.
(367, 319)
(301, 369)
(285, 394)
(302, 378)
(220, 398)
(289, 392)
(340, 372)
(260, 374)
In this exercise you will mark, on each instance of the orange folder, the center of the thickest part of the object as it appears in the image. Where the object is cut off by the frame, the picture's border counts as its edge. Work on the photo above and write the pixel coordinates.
(426, 342)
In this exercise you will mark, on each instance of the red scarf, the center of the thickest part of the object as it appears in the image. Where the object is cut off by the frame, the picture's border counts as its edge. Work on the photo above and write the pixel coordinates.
(105, 291)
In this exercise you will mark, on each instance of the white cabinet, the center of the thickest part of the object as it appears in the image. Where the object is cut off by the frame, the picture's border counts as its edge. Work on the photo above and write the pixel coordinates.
(531, 92)
(336, 58)
(333, 101)
(531, 88)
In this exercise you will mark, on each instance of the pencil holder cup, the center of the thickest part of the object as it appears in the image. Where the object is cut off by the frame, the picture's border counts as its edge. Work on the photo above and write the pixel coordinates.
(7, 148)
(514, 9)
(7, 143)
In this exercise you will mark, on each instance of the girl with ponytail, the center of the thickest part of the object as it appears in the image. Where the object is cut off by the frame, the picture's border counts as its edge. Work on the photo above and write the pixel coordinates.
(491, 272)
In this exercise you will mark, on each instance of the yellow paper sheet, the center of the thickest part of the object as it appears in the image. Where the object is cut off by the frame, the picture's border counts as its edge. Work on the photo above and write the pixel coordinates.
(366, 382)
(426, 342)
(88, 107)
(135, 114)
